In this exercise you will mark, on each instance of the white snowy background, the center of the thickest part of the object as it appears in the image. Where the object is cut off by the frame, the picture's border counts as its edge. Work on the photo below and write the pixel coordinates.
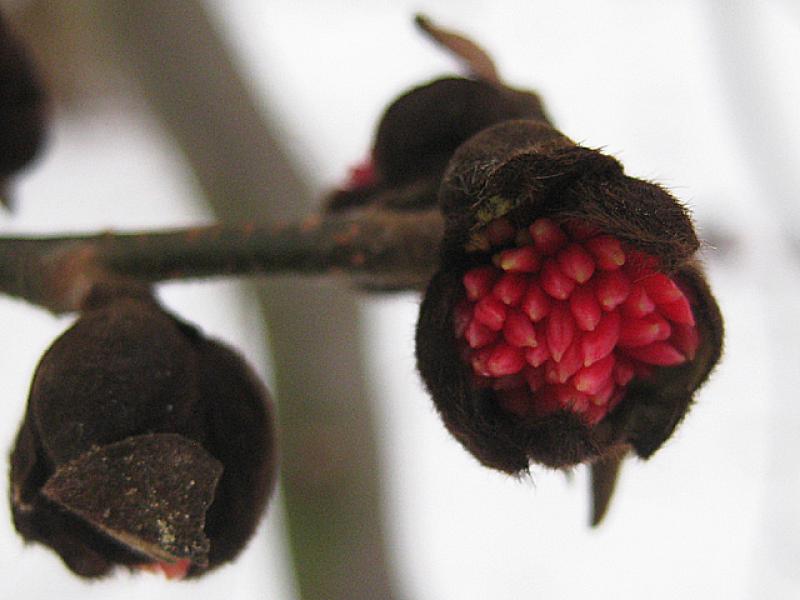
(701, 96)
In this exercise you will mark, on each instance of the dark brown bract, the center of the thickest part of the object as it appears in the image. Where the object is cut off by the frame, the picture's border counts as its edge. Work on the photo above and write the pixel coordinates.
(144, 443)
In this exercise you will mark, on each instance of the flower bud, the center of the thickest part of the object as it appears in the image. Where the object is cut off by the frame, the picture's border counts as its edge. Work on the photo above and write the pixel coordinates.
(144, 444)
(418, 134)
(22, 110)
(614, 320)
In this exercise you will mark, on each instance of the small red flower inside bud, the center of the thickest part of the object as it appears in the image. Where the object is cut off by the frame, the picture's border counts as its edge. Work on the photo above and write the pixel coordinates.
(581, 334)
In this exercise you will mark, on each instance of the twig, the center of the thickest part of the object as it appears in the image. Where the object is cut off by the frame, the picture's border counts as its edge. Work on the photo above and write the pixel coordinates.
(380, 249)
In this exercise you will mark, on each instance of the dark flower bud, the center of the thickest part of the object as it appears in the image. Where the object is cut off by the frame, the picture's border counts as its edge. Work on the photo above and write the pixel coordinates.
(22, 110)
(144, 443)
(569, 319)
(419, 133)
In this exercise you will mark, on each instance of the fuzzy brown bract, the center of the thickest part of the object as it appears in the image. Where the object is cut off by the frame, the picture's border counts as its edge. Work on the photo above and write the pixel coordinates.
(520, 171)
(143, 442)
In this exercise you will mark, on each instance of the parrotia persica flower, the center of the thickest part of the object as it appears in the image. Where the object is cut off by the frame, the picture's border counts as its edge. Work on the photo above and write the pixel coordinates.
(144, 444)
(569, 318)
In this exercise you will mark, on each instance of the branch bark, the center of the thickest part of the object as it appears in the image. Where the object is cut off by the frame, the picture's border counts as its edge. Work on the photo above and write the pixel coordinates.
(378, 249)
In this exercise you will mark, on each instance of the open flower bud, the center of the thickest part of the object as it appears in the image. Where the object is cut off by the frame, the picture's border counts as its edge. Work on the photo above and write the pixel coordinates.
(144, 444)
(585, 328)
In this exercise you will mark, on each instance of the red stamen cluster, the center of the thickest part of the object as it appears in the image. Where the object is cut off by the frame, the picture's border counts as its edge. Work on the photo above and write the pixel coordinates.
(566, 317)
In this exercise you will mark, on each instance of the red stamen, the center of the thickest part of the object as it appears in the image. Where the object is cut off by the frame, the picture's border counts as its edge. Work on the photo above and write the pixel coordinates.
(571, 399)
(535, 304)
(570, 362)
(640, 332)
(478, 335)
(576, 263)
(661, 354)
(478, 282)
(678, 311)
(554, 282)
(491, 312)
(607, 251)
(523, 259)
(518, 330)
(661, 289)
(623, 371)
(505, 360)
(538, 355)
(638, 303)
(600, 343)
(585, 308)
(612, 288)
(547, 236)
(594, 378)
(510, 288)
(560, 330)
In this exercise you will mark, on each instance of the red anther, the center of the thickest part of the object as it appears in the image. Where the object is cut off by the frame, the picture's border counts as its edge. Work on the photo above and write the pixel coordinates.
(491, 312)
(554, 282)
(612, 288)
(640, 332)
(580, 230)
(500, 231)
(560, 330)
(594, 378)
(571, 399)
(537, 356)
(661, 354)
(478, 335)
(536, 303)
(585, 308)
(478, 282)
(505, 360)
(678, 311)
(607, 251)
(510, 288)
(686, 339)
(600, 343)
(638, 303)
(509, 382)
(177, 569)
(603, 395)
(623, 371)
(570, 362)
(576, 263)
(661, 289)
(524, 260)
(547, 236)
(517, 402)
(480, 361)
(462, 315)
(518, 330)
(534, 378)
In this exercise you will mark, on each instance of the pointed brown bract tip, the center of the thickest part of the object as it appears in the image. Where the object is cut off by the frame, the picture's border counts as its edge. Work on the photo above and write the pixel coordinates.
(604, 475)
(479, 64)
(582, 322)
(127, 367)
